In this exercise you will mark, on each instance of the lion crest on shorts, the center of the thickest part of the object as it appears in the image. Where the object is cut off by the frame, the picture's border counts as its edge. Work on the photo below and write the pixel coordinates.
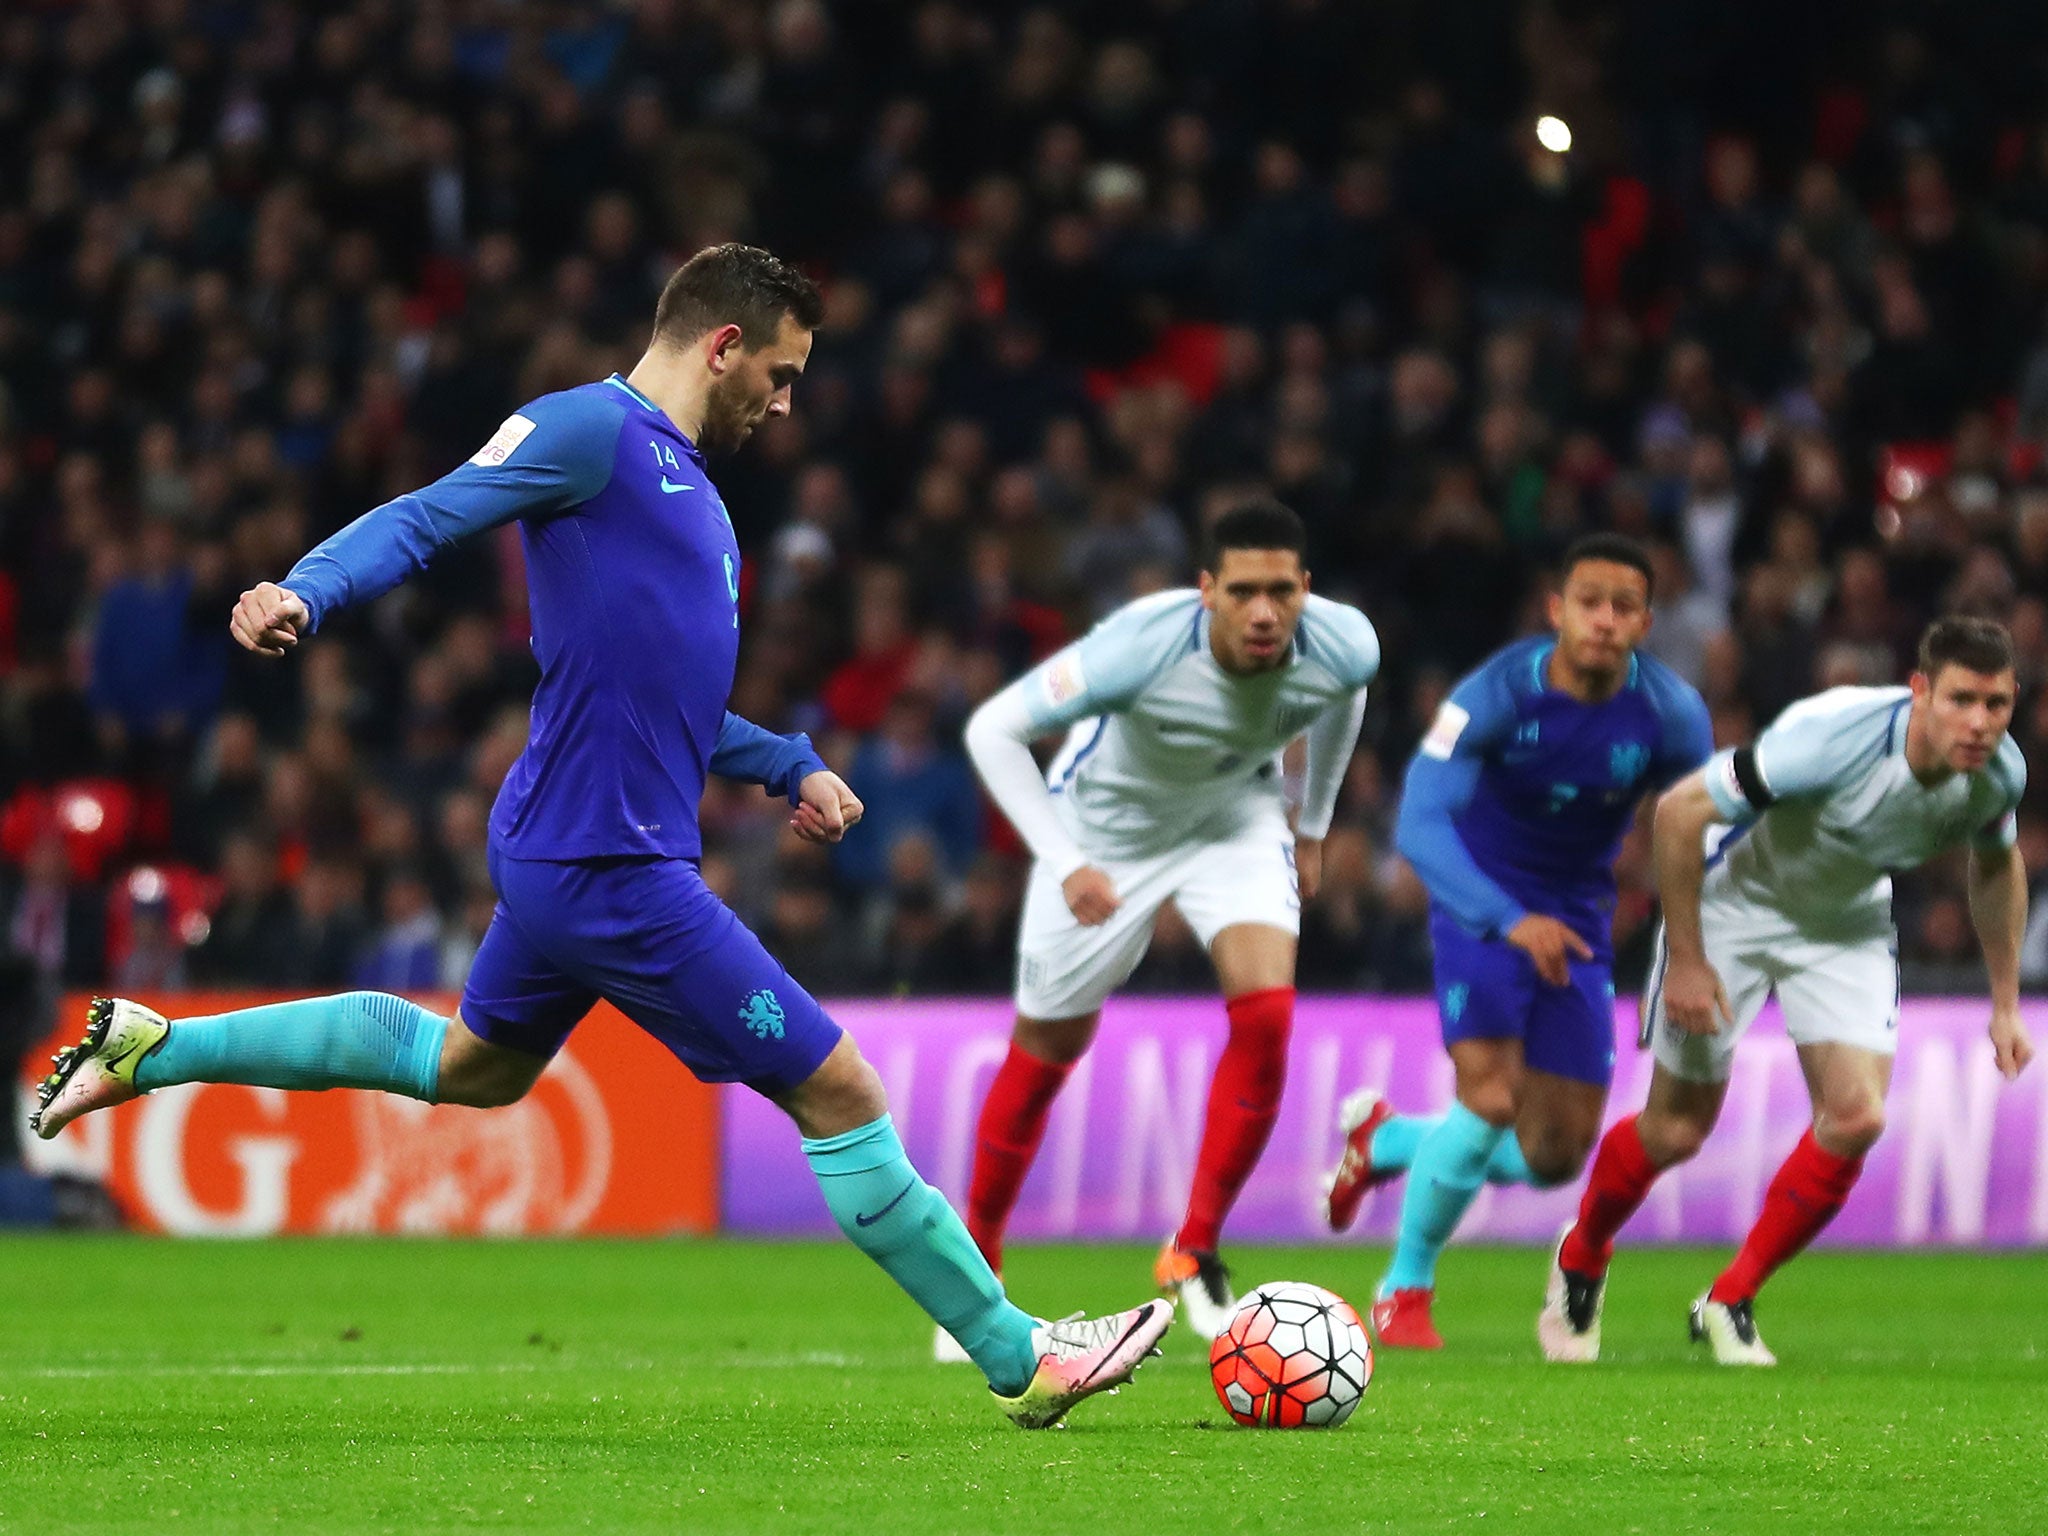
(762, 1013)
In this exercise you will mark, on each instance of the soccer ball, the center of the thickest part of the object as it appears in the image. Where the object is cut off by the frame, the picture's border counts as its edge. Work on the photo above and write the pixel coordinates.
(1294, 1357)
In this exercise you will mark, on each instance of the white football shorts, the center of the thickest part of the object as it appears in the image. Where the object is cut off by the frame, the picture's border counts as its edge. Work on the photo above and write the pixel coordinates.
(1829, 990)
(1066, 969)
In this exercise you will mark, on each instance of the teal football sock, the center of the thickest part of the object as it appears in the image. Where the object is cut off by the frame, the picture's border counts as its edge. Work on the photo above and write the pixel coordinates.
(1505, 1164)
(905, 1226)
(350, 1040)
(1394, 1144)
(1448, 1168)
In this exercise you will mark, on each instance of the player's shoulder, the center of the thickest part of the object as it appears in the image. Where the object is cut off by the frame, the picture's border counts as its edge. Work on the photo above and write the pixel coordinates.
(1130, 646)
(2008, 769)
(1487, 701)
(596, 406)
(1670, 695)
(1513, 673)
(1847, 710)
(1659, 680)
(1155, 619)
(570, 424)
(1339, 637)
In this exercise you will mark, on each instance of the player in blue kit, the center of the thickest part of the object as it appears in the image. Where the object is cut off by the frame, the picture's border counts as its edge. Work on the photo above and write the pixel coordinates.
(1513, 810)
(633, 578)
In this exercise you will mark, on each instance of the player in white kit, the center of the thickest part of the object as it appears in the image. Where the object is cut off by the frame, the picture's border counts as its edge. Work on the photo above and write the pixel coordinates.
(1177, 708)
(1794, 896)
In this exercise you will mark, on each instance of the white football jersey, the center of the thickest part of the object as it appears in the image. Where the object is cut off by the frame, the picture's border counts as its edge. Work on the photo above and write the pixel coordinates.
(1163, 744)
(1824, 807)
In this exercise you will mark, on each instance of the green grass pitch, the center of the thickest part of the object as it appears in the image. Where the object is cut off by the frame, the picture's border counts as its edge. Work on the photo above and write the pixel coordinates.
(725, 1386)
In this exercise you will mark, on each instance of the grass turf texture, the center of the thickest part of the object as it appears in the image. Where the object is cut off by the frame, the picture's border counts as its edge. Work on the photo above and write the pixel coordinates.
(425, 1386)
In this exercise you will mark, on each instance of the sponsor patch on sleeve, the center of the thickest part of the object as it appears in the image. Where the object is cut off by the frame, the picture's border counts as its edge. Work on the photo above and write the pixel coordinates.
(1445, 730)
(1064, 680)
(503, 441)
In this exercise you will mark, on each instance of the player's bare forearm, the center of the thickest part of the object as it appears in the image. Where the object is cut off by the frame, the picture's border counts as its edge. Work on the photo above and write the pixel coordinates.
(1998, 911)
(1678, 849)
(1308, 865)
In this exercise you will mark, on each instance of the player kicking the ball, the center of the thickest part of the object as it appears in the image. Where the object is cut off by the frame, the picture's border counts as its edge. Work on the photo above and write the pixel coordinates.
(1177, 708)
(1514, 808)
(1795, 898)
(633, 576)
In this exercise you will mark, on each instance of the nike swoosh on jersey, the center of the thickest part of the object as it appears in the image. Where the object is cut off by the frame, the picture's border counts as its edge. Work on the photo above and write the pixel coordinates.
(671, 487)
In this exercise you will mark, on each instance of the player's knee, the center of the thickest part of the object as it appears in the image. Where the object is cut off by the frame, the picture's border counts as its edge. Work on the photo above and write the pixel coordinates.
(480, 1085)
(1850, 1130)
(1672, 1138)
(1494, 1100)
(844, 1094)
(1554, 1160)
(1059, 1041)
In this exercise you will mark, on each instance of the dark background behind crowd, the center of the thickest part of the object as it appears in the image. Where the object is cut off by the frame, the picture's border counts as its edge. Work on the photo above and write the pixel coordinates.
(1094, 272)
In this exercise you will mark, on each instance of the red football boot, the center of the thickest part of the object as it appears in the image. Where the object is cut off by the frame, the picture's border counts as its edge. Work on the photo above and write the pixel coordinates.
(1401, 1321)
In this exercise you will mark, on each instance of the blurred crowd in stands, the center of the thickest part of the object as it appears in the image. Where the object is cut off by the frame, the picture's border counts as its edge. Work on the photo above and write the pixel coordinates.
(1094, 272)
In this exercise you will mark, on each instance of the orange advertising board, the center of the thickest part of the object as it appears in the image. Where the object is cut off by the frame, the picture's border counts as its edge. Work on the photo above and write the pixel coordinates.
(616, 1137)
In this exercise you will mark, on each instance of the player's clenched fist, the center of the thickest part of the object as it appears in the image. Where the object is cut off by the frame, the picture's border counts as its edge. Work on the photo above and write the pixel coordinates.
(825, 808)
(2010, 1043)
(1090, 896)
(268, 619)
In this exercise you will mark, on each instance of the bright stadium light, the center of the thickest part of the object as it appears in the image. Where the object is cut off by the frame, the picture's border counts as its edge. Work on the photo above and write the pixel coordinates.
(1554, 134)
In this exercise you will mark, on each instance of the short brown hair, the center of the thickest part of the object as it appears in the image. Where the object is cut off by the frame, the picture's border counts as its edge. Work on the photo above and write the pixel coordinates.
(734, 284)
(1981, 645)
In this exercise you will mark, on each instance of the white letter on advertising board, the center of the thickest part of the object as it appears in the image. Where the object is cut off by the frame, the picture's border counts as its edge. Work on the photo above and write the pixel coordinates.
(265, 1162)
(973, 1057)
(1162, 1131)
(1947, 1137)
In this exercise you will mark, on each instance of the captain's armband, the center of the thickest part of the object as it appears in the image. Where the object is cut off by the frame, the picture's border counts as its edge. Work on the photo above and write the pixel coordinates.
(1736, 784)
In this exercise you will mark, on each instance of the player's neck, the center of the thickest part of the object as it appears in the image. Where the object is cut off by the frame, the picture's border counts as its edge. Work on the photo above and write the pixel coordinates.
(1586, 687)
(661, 376)
(1922, 760)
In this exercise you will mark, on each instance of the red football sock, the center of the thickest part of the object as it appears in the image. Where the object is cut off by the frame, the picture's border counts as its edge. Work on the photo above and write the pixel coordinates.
(1006, 1140)
(1802, 1199)
(1244, 1101)
(1621, 1177)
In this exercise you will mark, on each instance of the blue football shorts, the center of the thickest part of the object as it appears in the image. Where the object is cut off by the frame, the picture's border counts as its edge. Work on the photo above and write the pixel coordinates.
(648, 936)
(1486, 989)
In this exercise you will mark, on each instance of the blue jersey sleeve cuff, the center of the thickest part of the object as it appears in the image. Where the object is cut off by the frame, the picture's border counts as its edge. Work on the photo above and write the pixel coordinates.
(804, 762)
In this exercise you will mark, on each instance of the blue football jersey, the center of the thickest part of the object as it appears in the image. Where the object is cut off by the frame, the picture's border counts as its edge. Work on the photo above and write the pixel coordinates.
(632, 573)
(1518, 798)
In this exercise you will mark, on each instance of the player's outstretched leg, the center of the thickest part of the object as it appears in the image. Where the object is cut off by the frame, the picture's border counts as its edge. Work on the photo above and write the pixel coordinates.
(1244, 1101)
(1449, 1167)
(350, 1040)
(1037, 1370)
(1379, 1145)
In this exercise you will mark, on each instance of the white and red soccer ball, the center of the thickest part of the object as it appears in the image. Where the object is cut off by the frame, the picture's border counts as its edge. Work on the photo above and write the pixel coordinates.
(1295, 1356)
